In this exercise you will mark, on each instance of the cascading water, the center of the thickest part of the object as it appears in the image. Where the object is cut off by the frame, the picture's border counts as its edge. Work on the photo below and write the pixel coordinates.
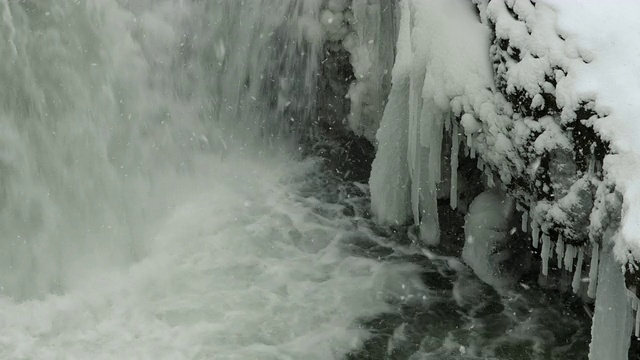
(105, 100)
(150, 206)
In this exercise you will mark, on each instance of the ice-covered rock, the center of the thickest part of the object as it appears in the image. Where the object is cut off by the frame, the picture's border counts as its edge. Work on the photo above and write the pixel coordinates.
(494, 247)
(441, 62)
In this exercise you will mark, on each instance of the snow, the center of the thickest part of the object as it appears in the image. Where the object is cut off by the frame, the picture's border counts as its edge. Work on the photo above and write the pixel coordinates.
(605, 36)
(470, 124)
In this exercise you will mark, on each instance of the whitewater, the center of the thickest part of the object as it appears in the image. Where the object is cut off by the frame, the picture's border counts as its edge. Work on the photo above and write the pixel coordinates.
(149, 207)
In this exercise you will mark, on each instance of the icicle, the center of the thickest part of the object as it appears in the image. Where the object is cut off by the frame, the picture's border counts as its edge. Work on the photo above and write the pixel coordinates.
(525, 220)
(480, 164)
(545, 254)
(490, 181)
(637, 329)
(569, 255)
(592, 161)
(598, 167)
(577, 276)
(535, 233)
(472, 150)
(593, 272)
(560, 251)
(447, 123)
(635, 303)
(416, 181)
(634, 300)
(635, 306)
(435, 152)
(455, 148)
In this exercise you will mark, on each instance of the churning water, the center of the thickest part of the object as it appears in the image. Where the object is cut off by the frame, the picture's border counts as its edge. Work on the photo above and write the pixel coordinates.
(148, 207)
(151, 207)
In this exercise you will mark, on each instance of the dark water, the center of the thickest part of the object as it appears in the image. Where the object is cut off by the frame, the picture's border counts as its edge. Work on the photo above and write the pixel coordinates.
(461, 317)
(465, 319)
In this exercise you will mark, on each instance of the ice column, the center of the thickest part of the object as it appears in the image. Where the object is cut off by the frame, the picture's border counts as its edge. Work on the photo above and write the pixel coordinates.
(577, 276)
(613, 318)
(455, 149)
(593, 271)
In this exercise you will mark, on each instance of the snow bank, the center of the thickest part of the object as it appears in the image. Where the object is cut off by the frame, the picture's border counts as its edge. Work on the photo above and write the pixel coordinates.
(605, 36)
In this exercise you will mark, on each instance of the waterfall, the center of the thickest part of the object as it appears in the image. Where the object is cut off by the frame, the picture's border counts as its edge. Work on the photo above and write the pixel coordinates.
(104, 101)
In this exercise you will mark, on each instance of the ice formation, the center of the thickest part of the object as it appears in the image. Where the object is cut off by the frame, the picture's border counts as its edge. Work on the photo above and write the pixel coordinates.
(430, 82)
(366, 30)
(542, 99)
(613, 319)
(494, 252)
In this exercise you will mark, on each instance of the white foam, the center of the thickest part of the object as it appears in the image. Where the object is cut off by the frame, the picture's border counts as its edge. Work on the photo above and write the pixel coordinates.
(240, 268)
